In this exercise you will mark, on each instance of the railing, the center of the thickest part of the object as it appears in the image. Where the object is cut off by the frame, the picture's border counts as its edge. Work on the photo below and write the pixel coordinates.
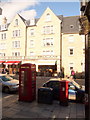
(33, 57)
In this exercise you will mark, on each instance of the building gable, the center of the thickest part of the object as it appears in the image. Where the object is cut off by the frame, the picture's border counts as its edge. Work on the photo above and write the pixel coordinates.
(17, 21)
(48, 16)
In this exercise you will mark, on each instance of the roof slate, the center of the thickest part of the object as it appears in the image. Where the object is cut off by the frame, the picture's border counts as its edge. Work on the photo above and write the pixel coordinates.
(70, 24)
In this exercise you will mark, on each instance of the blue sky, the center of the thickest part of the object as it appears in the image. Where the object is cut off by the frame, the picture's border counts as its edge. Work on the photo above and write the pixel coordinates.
(29, 9)
(59, 8)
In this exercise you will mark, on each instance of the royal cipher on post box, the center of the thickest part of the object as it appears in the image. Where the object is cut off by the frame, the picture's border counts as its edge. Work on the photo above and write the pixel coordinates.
(27, 82)
(64, 93)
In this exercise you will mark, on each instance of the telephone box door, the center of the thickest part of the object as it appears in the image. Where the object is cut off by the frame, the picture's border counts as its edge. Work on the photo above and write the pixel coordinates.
(27, 82)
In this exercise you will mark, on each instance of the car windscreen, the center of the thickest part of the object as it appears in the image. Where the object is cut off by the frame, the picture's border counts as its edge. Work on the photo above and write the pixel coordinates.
(76, 84)
(5, 79)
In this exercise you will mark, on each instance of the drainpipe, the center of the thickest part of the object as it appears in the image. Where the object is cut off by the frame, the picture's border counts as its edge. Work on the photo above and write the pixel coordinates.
(25, 43)
(61, 48)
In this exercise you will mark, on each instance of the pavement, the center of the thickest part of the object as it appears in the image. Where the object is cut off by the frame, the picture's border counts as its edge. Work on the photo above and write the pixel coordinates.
(12, 108)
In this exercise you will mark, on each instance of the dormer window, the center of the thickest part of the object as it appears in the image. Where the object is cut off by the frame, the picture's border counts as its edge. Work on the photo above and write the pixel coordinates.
(32, 21)
(48, 17)
(16, 22)
(71, 26)
(3, 27)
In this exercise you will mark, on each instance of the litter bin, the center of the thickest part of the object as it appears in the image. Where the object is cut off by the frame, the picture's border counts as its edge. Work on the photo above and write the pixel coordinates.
(45, 95)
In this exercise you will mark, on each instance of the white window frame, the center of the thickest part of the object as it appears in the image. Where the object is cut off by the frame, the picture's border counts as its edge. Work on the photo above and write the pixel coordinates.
(48, 17)
(69, 51)
(15, 53)
(16, 33)
(32, 32)
(32, 44)
(3, 36)
(16, 22)
(47, 52)
(3, 27)
(48, 29)
(71, 38)
(51, 29)
(2, 46)
(71, 64)
(48, 42)
(83, 51)
(2, 54)
(32, 53)
(16, 44)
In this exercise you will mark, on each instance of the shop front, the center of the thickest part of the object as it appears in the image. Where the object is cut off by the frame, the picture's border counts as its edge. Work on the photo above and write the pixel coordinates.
(47, 70)
(12, 67)
(2, 66)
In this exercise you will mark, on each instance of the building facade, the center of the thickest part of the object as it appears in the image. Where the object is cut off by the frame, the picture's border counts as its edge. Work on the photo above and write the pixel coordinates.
(73, 46)
(51, 42)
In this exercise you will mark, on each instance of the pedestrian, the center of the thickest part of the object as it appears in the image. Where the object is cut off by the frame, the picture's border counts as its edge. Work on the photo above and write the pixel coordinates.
(73, 74)
(7, 71)
(3, 71)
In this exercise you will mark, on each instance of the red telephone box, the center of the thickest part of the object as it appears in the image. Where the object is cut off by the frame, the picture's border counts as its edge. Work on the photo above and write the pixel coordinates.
(27, 82)
(64, 92)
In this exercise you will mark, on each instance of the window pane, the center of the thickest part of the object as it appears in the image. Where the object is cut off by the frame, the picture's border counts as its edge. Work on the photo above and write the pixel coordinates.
(71, 51)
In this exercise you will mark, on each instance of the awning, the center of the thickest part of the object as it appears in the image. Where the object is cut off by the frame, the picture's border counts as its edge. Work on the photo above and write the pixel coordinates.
(12, 62)
(2, 62)
(17, 62)
(9, 62)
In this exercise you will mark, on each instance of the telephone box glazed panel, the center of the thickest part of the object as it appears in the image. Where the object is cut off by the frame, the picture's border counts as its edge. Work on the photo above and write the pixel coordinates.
(27, 82)
(64, 92)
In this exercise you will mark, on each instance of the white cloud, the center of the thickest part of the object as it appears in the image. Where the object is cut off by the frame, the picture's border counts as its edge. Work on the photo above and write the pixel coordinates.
(28, 14)
(12, 7)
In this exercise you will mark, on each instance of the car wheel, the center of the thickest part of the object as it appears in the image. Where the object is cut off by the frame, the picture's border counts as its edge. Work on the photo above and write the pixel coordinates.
(6, 89)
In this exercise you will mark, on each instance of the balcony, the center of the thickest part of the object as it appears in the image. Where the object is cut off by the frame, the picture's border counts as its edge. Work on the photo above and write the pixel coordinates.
(33, 57)
(43, 57)
(11, 58)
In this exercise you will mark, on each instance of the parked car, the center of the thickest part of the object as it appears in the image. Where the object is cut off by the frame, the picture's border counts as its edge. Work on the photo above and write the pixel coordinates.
(8, 84)
(76, 92)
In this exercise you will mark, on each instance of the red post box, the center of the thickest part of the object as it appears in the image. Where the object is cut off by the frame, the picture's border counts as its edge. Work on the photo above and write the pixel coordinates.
(27, 82)
(64, 93)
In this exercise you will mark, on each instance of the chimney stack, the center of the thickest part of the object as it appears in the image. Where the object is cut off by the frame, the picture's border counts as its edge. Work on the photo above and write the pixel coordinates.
(4, 20)
(0, 11)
